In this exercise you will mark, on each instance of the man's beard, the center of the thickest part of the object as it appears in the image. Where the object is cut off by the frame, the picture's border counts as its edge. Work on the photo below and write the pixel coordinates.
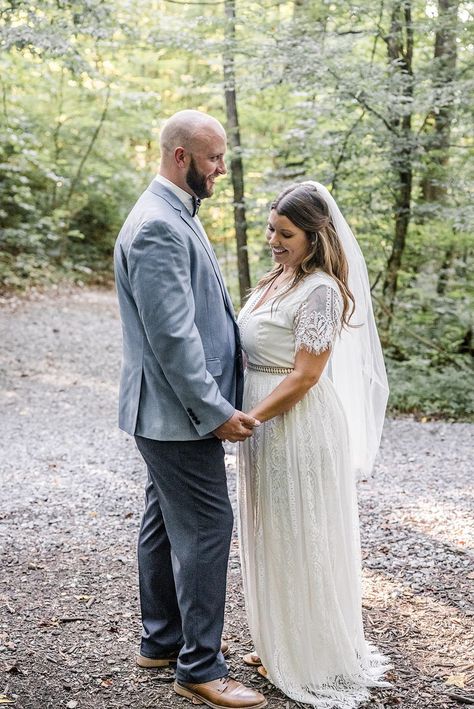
(197, 181)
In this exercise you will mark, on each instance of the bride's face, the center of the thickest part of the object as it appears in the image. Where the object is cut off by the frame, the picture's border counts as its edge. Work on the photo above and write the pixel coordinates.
(288, 242)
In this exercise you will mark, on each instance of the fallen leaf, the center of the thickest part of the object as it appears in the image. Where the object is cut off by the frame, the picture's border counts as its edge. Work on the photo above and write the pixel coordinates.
(6, 700)
(35, 565)
(456, 681)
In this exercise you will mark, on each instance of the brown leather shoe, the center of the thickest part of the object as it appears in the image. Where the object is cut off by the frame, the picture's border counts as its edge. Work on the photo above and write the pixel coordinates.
(223, 692)
(152, 662)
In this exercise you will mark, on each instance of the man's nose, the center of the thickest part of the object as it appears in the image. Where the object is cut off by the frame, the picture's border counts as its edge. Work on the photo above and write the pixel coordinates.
(221, 167)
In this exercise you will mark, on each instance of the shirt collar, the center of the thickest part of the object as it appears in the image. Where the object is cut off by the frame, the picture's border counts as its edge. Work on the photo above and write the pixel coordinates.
(181, 194)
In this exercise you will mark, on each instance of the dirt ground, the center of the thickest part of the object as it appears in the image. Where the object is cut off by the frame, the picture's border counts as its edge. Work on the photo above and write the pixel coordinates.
(70, 503)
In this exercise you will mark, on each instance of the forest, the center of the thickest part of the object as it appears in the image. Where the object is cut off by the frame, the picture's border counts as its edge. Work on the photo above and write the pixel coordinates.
(372, 99)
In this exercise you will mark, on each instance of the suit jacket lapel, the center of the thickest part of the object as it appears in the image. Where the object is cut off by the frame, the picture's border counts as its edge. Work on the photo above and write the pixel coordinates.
(210, 252)
(162, 191)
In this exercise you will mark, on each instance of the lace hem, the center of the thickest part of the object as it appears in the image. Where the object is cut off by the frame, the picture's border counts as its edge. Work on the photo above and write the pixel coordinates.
(343, 692)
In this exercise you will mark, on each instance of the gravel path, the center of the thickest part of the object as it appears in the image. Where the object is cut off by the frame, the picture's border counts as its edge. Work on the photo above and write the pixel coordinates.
(70, 504)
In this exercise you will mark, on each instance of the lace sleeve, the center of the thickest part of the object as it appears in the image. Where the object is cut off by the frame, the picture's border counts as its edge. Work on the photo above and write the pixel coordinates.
(317, 320)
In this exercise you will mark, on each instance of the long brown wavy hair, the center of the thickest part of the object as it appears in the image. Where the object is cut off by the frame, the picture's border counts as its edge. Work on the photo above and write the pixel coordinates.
(306, 209)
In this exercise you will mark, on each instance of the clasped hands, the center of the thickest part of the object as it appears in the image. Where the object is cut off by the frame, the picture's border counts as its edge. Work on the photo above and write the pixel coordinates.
(239, 427)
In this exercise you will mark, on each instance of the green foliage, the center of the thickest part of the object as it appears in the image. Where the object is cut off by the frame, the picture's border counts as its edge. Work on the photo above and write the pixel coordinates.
(68, 172)
(86, 84)
(419, 388)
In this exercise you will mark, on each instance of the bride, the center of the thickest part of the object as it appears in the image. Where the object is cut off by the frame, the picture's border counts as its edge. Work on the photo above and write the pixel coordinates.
(316, 380)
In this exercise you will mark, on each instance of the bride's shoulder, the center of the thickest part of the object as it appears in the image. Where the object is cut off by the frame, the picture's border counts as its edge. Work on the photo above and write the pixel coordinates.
(319, 278)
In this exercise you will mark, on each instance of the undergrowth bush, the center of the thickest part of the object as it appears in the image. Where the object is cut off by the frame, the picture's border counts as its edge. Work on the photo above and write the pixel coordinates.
(417, 387)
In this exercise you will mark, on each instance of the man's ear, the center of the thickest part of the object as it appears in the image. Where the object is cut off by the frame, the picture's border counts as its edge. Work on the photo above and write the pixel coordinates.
(180, 156)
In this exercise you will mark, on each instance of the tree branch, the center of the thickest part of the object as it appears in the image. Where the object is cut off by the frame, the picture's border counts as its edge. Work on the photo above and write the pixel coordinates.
(92, 141)
(377, 34)
(343, 149)
(359, 98)
(425, 121)
(369, 108)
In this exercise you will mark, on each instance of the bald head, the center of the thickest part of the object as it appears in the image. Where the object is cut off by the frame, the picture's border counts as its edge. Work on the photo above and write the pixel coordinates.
(184, 127)
(193, 146)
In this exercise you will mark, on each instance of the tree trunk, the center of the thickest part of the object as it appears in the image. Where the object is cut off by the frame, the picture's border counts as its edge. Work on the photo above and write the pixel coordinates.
(444, 69)
(236, 163)
(443, 275)
(56, 142)
(400, 44)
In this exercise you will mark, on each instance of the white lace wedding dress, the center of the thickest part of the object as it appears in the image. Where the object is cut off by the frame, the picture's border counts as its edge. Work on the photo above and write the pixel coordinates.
(298, 517)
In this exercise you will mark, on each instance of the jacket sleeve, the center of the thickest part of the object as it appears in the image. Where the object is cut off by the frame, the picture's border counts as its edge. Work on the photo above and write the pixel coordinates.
(160, 279)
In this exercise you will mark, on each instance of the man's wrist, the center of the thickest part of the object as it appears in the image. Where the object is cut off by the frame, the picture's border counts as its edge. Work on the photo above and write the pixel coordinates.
(226, 420)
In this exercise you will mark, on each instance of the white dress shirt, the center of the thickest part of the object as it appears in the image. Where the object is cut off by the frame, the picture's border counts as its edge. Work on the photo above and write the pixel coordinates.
(181, 194)
(186, 199)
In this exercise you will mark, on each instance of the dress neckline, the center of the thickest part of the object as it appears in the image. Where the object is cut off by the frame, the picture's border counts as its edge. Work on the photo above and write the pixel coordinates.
(256, 307)
(259, 305)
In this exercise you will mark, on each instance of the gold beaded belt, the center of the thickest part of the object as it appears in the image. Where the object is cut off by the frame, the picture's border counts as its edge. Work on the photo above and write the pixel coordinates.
(269, 370)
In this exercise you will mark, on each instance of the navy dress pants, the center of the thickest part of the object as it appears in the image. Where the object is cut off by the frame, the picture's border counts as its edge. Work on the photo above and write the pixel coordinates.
(183, 552)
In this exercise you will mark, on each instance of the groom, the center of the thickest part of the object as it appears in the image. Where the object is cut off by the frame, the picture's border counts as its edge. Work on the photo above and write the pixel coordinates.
(180, 391)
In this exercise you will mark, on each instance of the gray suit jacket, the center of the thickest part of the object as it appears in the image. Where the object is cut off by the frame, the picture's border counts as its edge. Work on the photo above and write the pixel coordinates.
(182, 366)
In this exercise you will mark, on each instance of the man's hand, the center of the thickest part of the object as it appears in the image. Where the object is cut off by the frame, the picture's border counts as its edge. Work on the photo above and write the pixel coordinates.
(239, 427)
